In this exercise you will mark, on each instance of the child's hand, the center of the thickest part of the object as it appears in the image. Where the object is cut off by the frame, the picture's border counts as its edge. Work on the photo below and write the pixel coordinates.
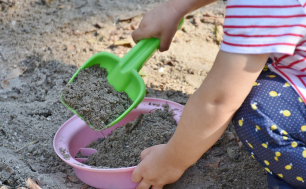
(155, 169)
(161, 22)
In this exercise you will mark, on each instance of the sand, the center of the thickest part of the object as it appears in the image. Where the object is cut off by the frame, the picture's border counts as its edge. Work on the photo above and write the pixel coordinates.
(53, 40)
(93, 98)
(123, 147)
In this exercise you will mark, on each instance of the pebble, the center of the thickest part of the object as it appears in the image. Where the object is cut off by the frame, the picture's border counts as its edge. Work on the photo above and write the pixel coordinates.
(161, 70)
(27, 30)
(229, 135)
(31, 148)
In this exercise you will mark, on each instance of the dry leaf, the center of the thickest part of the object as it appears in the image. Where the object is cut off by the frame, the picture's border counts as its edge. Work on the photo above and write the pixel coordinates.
(133, 26)
(124, 19)
(31, 184)
(214, 165)
(99, 25)
(72, 179)
(207, 20)
(61, 6)
(15, 73)
(4, 187)
(123, 43)
(91, 41)
(208, 14)
(5, 84)
(189, 16)
(84, 187)
(170, 63)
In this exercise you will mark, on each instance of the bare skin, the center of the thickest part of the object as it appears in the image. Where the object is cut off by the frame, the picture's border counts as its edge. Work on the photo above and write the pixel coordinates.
(207, 112)
(162, 21)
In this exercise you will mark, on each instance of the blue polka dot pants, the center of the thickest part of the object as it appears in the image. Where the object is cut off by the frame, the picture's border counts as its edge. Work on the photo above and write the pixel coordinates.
(271, 123)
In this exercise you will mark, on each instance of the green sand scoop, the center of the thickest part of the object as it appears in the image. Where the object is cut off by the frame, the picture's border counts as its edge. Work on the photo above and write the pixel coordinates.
(123, 72)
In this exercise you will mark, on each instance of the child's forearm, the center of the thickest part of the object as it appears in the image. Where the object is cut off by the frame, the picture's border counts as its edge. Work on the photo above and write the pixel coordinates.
(184, 7)
(209, 110)
(201, 125)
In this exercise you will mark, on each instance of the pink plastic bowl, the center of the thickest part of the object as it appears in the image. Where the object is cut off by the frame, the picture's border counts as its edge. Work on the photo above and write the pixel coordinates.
(74, 135)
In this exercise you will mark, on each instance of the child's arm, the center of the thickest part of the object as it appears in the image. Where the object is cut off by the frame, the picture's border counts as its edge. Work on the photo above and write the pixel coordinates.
(162, 21)
(206, 114)
(204, 119)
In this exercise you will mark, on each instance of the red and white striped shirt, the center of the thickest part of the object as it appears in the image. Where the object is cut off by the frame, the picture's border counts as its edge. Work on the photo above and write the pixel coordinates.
(270, 26)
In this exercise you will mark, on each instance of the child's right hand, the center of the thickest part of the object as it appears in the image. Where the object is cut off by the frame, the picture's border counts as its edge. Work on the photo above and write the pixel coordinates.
(160, 22)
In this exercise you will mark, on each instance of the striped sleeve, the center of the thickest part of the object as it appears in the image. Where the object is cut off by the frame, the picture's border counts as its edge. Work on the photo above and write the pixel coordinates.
(303, 3)
(261, 26)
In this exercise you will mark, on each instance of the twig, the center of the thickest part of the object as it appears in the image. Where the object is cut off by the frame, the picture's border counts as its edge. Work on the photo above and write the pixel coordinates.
(34, 142)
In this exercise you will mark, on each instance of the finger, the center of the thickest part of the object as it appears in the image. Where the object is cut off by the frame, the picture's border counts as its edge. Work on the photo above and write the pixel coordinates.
(157, 187)
(165, 41)
(136, 176)
(143, 185)
(139, 34)
(144, 153)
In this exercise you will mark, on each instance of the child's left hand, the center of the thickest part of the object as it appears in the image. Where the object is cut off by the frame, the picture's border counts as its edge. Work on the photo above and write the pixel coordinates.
(155, 169)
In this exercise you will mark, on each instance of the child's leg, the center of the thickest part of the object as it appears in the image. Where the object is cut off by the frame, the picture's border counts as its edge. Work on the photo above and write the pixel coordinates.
(275, 182)
(271, 123)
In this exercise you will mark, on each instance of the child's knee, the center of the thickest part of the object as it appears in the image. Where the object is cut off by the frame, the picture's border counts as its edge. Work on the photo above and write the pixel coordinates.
(270, 124)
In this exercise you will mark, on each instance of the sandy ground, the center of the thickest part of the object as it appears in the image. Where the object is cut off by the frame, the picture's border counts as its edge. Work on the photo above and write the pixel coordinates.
(43, 42)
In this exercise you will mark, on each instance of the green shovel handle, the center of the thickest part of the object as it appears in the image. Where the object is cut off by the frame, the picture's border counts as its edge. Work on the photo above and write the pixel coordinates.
(142, 52)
